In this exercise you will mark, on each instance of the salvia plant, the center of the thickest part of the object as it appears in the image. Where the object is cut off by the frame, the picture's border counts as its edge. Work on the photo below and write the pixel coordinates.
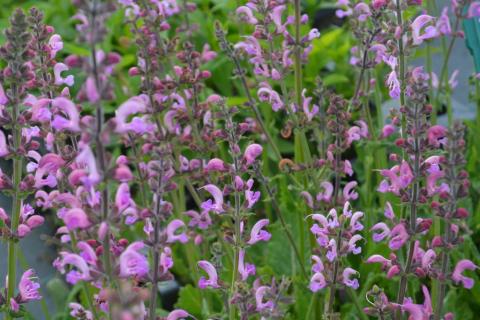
(233, 169)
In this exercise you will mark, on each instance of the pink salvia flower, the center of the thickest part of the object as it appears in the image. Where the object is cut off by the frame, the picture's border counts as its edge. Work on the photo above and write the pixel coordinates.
(246, 15)
(132, 262)
(385, 231)
(457, 275)
(245, 269)
(251, 153)
(57, 70)
(258, 234)
(56, 44)
(259, 297)
(67, 107)
(28, 288)
(81, 271)
(172, 228)
(317, 282)
(347, 278)
(3, 145)
(216, 205)
(75, 218)
(178, 314)
(398, 237)
(212, 280)
(422, 22)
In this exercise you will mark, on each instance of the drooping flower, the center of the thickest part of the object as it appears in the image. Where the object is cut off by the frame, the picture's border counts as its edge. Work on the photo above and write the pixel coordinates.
(246, 15)
(251, 196)
(429, 31)
(212, 280)
(201, 220)
(77, 311)
(172, 236)
(385, 231)
(258, 234)
(67, 107)
(347, 278)
(317, 282)
(398, 236)
(259, 297)
(216, 205)
(57, 70)
(251, 153)
(80, 271)
(178, 314)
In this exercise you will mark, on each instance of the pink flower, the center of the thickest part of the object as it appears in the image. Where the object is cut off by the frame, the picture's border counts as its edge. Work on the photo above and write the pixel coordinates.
(349, 192)
(56, 44)
(87, 253)
(138, 125)
(3, 145)
(57, 70)
(443, 23)
(436, 133)
(419, 311)
(376, 258)
(216, 205)
(3, 96)
(326, 195)
(385, 231)
(81, 271)
(306, 106)
(398, 236)
(14, 305)
(212, 280)
(355, 224)
(201, 220)
(457, 273)
(474, 10)
(267, 94)
(28, 288)
(388, 211)
(276, 16)
(352, 244)
(332, 250)
(317, 282)
(421, 22)
(246, 15)
(393, 85)
(259, 296)
(245, 269)
(318, 265)
(77, 311)
(86, 157)
(216, 164)
(251, 196)
(91, 90)
(75, 218)
(399, 178)
(67, 107)
(132, 262)
(362, 11)
(258, 234)
(178, 314)
(172, 227)
(251, 153)
(347, 278)
(387, 131)
(428, 258)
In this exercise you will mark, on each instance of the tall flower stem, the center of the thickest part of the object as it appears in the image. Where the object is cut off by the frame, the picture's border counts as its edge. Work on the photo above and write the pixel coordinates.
(156, 251)
(401, 58)
(17, 199)
(413, 210)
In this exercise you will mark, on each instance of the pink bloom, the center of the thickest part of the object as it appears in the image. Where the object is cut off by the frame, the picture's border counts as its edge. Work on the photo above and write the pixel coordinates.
(75, 218)
(245, 269)
(67, 107)
(212, 280)
(57, 70)
(178, 314)
(91, 90)
(393, 85)
(56, 44)
(3, 96)
(436, 133)
(347, 280)
(267, 94)
(306, 106)
(216, 164)
(428, 258)
(258, 234)
(81, 271)
(313, 34)
(387, 131)
(349, 192)
(138, 125)
(86, 157)
(355, 224)
(388, 211)
(326, 195)
(474, 10)
(276, 16)
(443, 23)
(332, 250)
(317, 282)
(362, 11)
(318, 265)
(87, 253)
(3, 145)
(201, 220)
(246, 15)
(457, 273)
(385, 231)
(259, 296)
(132, 262)
(77, 311)
(251, 196)
(421, 22)
(419, 311)
(399, 178)
(172, 227)
(251, 153)
(379, 259)
(14, 305)
(216, 205)
(352, 244)
(28, 288)
(398, 236)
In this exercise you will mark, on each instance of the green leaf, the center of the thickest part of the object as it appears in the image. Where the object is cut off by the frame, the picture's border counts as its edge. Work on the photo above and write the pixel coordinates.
(190, 299)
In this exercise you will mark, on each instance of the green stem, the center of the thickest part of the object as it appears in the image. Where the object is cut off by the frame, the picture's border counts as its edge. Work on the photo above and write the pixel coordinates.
(401, 55)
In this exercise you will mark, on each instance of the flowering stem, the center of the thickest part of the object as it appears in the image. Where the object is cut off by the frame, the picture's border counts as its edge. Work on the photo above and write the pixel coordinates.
(413, 210)
(331, 296)
(156, 256)
(401, 55)
(17, 200)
